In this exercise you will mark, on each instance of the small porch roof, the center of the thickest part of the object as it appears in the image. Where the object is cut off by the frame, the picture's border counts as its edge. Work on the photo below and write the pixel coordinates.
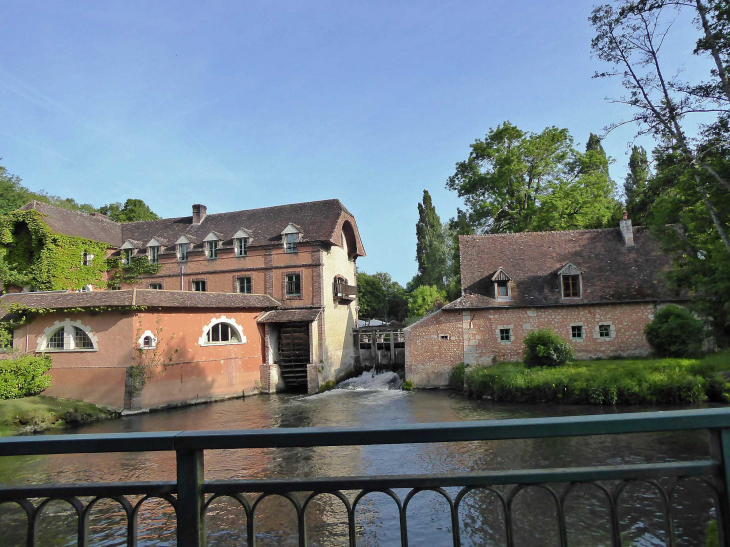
(290, 316)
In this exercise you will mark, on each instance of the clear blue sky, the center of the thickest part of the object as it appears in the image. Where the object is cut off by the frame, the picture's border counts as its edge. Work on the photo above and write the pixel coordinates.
(249, 104)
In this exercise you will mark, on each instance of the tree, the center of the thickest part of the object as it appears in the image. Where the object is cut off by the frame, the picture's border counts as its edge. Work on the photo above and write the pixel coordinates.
(630, 39)
(635, 185)
(457, 226)
(431, 245)
(133, 210)
(395, 296)
(371, 296)
(515, 181)
(424, 299)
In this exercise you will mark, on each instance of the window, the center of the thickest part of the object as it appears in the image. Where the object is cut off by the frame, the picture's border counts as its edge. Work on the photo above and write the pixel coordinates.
(87, 288)
(502, 290)
(222, 333)
(212, 250)
(127, 258)
(293, 285)
(199, 286)
(443, 336)
(291, 243)
(241, 246)
(87, 258)
(82, 340)
(505, 335)
(56, 340)
(576, 332)
(245, 286)
(147, 342)
(68, 336)
(571, 286)
(604, 331)
(182, 252)
(156, 286)
(154, 254)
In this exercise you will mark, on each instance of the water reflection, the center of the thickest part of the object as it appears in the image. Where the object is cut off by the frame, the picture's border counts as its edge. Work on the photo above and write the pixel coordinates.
(481, 515)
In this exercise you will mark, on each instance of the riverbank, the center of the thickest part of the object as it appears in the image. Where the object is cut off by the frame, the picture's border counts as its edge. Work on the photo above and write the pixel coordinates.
(603, 382)
(34, 414)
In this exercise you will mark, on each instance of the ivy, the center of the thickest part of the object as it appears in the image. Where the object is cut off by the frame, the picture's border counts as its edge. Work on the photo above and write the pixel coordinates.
(31, 254)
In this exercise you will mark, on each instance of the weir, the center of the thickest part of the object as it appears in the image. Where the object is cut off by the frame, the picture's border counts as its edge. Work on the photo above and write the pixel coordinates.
(190, 495)
(379, 348)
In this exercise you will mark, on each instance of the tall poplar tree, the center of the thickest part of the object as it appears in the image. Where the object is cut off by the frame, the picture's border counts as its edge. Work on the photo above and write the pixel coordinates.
(635, 185)
(431, 247)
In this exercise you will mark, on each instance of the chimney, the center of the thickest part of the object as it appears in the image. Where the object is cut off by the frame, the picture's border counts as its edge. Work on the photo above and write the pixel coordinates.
(199, 212)
(627, 231)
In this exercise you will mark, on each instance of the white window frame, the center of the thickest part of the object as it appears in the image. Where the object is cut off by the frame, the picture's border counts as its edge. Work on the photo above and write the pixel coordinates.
(202, 341)
(182, 252)
(69, 338)
(154, 254)
(145, 334)
(241, 246)
(87, 258)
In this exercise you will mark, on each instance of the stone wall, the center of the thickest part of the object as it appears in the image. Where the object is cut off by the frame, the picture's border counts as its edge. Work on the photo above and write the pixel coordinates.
(438, 343)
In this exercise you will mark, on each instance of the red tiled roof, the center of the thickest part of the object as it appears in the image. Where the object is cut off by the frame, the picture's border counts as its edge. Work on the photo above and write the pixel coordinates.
(138, 297)
(611, 271)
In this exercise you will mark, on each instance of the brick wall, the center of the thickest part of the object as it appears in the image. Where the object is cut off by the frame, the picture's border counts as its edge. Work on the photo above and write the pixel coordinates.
(438, 343)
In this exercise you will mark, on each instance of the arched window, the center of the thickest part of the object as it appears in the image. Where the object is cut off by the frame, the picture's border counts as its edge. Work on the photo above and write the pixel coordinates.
(67, 336)
(147, 340)
(222, 331)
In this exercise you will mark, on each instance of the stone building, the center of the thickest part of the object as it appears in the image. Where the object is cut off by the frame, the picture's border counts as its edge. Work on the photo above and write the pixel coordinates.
(595, 288)
(301, 256)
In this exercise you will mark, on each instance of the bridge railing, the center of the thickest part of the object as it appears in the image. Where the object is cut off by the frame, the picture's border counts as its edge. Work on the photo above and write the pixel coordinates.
(190, 495)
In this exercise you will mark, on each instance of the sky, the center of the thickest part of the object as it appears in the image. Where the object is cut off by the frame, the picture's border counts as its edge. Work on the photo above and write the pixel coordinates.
(239, 105)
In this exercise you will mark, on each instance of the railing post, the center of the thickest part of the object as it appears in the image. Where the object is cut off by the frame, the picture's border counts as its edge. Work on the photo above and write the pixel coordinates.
(720, 451)
(190, 521)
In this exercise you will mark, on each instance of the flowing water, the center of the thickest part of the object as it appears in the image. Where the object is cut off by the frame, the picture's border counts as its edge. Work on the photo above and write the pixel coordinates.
(356, 404)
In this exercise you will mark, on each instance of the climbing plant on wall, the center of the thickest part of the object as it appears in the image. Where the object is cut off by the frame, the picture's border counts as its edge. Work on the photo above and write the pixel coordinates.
(30, 254)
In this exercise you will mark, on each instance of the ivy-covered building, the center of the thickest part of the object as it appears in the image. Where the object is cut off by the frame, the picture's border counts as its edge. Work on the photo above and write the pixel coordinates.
(301, 257)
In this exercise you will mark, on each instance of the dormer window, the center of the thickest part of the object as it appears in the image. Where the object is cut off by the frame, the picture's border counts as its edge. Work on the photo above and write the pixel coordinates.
(154, 254)
(501, 285)
(571, 281)
(291, 236)
(87, 258)
(127, 252)
(212, 251)
(240, 239)
(183, 247)
(182, 252)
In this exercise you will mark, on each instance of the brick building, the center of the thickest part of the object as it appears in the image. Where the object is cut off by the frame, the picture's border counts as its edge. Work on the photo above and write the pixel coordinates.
(301, 256)
(595, 288)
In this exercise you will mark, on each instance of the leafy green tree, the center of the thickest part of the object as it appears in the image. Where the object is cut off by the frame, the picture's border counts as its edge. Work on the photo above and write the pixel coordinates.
(635, 185)
(395, 296)
(457, 226)
(133, 210)
(372, 297)
(431, 246)
(424, 299)
(515, 181)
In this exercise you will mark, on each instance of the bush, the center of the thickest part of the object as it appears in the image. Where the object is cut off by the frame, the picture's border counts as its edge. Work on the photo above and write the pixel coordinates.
(22, 376)
(674, 332)
(408, 385)
(456, 378)
(544, 348)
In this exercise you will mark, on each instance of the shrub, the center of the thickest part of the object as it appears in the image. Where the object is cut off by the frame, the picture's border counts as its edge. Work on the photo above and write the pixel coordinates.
(674, 332)
(408, 385)
(544, 348)
(456, 378)
(22, 376)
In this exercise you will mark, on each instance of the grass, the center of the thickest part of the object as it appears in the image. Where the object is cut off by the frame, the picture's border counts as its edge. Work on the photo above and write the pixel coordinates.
(607, 382)
(31, 414)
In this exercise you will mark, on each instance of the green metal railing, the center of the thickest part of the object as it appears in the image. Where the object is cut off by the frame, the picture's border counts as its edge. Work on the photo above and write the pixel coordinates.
(190, 495)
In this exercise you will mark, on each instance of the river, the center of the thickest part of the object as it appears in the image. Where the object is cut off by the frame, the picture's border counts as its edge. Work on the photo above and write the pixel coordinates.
(428, 518)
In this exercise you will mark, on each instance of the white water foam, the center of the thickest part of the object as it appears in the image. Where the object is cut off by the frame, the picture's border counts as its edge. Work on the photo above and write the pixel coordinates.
(382, 381)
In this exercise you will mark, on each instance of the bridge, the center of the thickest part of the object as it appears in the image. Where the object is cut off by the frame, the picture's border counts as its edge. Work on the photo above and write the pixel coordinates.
(191, 495)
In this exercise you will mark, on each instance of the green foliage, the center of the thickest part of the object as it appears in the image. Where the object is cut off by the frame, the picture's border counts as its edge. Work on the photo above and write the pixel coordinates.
(133, 210)
(14, 195)
(635, 186)
(625, 382)
(130, 273)
(408, 385)
(327, 386)
(432, 253)
(456, 378)
(424, 299)
(674, 332)
(23, 376)
(515, 181)
(713, 535)
(544, 348)
(458, 226)
(380, 297)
